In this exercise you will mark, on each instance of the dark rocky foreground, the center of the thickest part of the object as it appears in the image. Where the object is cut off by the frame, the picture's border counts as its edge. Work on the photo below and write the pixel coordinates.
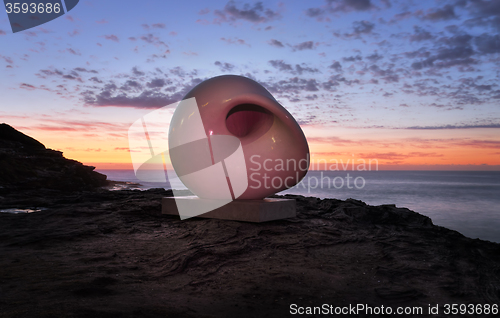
(109, 254)
(26, 164)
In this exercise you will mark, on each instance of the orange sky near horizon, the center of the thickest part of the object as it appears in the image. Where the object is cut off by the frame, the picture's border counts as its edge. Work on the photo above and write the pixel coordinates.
(409, 84)
(392, 149)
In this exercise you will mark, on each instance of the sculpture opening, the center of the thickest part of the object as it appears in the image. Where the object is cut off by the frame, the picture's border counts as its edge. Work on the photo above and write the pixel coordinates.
(245, 119)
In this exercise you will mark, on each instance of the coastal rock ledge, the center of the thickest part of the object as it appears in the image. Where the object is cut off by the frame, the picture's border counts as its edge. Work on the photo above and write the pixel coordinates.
(25, 163)
(112, 254)
(92, 252)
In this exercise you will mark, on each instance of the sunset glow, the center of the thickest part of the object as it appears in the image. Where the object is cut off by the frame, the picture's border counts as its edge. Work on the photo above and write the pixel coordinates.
(410, 85)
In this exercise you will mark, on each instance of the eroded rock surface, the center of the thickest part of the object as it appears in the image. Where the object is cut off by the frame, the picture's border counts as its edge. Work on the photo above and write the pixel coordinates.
(110, 254)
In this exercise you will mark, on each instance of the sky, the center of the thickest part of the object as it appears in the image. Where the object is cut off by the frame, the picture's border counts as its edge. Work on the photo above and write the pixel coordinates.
(412, 84)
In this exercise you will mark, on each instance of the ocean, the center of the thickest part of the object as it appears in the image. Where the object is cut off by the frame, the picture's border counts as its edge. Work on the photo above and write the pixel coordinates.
(465, 201)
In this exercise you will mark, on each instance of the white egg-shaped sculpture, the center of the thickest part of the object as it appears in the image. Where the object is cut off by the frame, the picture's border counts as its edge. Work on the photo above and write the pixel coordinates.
(254, 142)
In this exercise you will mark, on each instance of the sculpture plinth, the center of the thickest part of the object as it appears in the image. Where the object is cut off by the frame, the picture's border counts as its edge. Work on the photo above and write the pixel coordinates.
(268, 209)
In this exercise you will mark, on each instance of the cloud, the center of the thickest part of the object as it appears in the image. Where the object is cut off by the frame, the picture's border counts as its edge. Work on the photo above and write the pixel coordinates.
(420, 35)
(304, 69)
(55, 128)
(459, 40)
(441, 14)
(112, 37)
(7, 59)
(488, 44)
(81, 69)
(333, 6)
(307, 45)
(67, 76)
(51, 124)
(493, 144)
(456, 51)
(485, 13)
(74, 33)
(293, 85)
(146, 26)
(225, 67)
(280, 65)
(360, 27)
(72, 75)
(399, 156)
(27, 86)
(136, 72)
(255, 13)
(314, 12)
(363, 27)
(72, 51)
(203, 21)
(139, 90)
(297, 69)
(452, 127)
(146, 99)
(401, 16)
(158, 25)
(275, 43)
(131, 86)
(336, 66)
(50, 73)
(351, 5)
(151, 39)
(374, 57)
(352, 58)
(204, 11)
(456, 62)
(333, 141)
(156, 83)
(234, 41)
(389, 75)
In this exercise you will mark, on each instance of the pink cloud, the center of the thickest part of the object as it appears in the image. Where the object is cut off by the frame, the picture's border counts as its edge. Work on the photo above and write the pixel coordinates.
(158, 25)
(27, 86)
(112, 37)
(235, 41)
(204, 11)
(202, 21)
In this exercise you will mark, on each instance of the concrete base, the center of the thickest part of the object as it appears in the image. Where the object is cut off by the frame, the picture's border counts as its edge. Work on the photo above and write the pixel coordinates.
(268, 209)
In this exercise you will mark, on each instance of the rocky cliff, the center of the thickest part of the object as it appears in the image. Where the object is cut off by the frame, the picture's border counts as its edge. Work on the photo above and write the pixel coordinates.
(25, 164)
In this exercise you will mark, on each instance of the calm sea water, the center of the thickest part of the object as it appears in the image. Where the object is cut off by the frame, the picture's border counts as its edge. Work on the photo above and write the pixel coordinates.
(465, 201)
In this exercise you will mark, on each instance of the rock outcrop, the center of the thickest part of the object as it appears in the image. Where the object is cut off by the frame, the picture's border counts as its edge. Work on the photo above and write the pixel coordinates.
(26, 164)
(111, 254)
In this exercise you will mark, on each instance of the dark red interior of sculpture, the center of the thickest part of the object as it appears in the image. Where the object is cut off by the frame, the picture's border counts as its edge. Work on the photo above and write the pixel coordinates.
(247, 118)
